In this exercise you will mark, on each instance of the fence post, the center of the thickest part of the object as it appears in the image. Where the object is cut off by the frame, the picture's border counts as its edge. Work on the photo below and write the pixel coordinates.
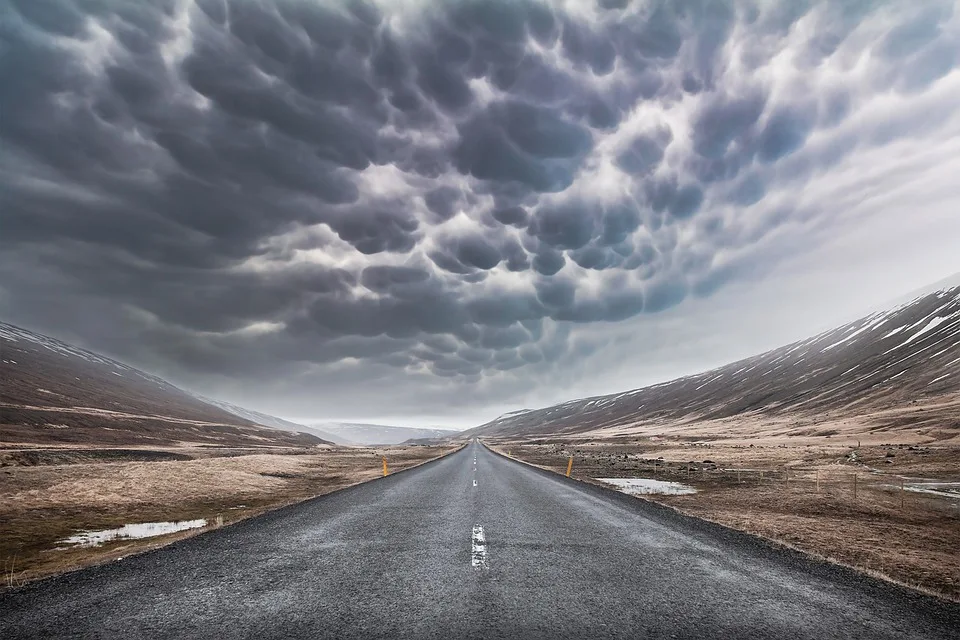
(854, 486)
(738, 475)
(901, 494)
(384, 466)
(569, 466)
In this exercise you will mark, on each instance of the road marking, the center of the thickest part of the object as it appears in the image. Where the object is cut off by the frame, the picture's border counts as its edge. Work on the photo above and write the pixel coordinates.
(474, 483)
(479, 560)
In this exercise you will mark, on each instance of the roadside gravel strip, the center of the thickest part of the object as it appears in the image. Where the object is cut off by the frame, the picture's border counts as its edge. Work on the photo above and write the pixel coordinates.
(429, 553)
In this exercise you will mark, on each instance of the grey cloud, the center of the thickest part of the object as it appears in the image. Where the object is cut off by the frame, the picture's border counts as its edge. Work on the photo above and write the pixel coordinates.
(613, 4)
(536, 79)
(564, 225)
(556, 293)
(785, 132)
(477, 252)
(686, 201)
(723, 120)
(929, 66)
(520, 142)
(910, 36)
(443, 201)
(421, 189)
(665, 294)
(582, 45)
(645, 152)
(595, 258)
(384, 278)
(656, 35)
(504, 339)
(548, 262)
(750, 190)
(516, 216)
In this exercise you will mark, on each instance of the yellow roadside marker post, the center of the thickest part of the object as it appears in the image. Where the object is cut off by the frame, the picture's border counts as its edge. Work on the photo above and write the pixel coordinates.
(569, 466)
(384, 466)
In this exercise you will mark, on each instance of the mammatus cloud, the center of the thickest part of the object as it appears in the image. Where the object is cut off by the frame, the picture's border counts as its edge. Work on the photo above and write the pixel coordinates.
(454, 193)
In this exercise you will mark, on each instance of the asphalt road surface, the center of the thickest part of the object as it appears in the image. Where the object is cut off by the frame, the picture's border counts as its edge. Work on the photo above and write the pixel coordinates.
(472, 546)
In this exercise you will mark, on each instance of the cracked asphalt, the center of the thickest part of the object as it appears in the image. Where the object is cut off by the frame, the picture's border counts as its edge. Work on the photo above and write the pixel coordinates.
(398, 558)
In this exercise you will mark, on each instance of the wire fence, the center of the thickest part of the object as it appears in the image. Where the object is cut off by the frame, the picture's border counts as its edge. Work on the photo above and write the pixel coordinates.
(855, 484)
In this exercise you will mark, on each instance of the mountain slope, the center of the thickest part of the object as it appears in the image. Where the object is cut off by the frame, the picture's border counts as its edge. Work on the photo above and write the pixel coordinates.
(372, 434)
(888, 359)
(55, 392)
(271, 422)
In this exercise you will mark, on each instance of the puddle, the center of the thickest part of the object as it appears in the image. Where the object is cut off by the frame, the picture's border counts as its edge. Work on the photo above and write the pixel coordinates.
(130, 532)
(943, 489)
(645, 486)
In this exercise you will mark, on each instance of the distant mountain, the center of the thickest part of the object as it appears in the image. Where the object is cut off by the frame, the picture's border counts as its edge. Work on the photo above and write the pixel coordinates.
(888, 359)
(371, 434)
(269, 421)
(55, 392)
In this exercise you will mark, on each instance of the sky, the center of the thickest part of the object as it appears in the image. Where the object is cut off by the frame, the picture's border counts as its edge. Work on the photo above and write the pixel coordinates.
(430, 213)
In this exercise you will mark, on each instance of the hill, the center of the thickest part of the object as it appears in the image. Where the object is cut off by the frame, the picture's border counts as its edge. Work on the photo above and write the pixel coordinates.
(886, 364)
(54, 392)
(271, 422)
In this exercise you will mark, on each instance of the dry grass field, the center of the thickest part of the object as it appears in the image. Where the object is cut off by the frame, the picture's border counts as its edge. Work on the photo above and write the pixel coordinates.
(50, 493)
(801, 494)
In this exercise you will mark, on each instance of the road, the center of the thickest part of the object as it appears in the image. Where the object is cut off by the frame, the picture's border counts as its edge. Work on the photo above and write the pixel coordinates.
(472, 546)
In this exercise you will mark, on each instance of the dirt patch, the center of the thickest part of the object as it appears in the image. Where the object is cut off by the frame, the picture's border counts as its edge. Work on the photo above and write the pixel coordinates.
(849, 504)
(43, 503)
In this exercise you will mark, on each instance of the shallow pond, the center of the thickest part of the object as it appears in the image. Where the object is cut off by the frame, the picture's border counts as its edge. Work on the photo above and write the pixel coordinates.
(130, 532)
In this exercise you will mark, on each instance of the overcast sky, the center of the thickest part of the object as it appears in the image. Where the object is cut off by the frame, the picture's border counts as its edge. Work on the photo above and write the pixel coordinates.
(433, 212)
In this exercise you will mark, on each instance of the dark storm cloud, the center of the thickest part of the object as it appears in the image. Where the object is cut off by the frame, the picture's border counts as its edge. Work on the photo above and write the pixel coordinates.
(644, 153)
(519, 142)
(443, 202)
(785, 132)
(442, 189)
(724, 120)
(515, 216)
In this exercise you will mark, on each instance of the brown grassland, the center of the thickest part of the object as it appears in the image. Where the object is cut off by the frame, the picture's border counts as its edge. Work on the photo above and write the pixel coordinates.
(798, 492)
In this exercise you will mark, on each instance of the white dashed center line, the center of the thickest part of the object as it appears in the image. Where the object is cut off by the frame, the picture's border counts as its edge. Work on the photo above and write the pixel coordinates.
(474, 483)
(479, 559)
